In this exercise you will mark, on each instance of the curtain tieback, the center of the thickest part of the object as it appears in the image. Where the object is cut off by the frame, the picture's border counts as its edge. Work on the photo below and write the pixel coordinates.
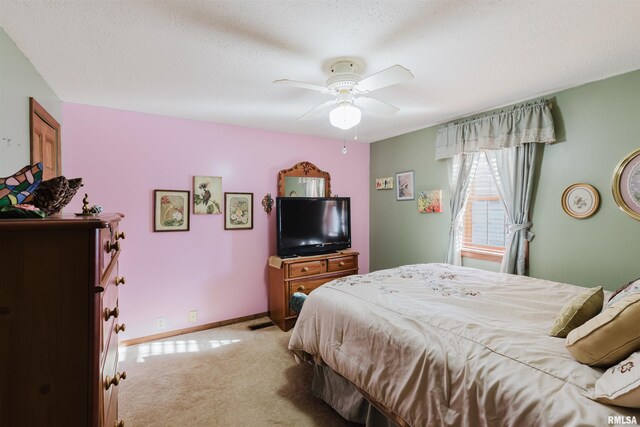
(454, 225)
(514, 228)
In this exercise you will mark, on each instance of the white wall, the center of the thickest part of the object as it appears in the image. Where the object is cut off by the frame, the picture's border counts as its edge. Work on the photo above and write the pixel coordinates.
(19, 80)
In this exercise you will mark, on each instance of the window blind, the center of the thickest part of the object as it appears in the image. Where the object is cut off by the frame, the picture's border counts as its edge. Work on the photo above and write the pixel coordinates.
(484, 218)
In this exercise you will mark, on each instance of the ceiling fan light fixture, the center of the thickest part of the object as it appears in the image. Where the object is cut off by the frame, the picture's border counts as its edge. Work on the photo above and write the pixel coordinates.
(345, 116)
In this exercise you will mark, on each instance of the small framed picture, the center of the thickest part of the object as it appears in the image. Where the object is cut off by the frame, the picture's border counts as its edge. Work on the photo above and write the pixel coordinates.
(384, 183)
(207, 195)
(626, 184)
(404, 186)
(580, 200)
(430, 201)
(238, 211)
(171, 210)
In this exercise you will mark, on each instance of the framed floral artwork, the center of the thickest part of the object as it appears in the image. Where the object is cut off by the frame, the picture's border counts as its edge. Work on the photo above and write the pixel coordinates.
(171, 210)
(626, 184)
(404, 186)
(207, 195)
(580, 200)
(238, 211)
(430, 201)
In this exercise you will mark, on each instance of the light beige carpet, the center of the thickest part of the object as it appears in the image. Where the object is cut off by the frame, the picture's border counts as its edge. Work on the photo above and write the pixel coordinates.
(228, 376)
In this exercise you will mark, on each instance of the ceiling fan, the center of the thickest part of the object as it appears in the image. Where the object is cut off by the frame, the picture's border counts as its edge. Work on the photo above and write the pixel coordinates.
(350, 93)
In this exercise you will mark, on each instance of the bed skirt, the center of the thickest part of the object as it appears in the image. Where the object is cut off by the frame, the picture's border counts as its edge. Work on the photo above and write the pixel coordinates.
(346, 399)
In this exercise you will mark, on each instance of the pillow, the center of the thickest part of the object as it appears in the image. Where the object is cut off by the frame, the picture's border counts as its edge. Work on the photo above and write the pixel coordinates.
(620, 385)
(633, 287)
(609, 337)
(581, 308)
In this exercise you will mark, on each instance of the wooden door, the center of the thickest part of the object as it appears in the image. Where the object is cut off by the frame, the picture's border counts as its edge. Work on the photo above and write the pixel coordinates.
(45, 140)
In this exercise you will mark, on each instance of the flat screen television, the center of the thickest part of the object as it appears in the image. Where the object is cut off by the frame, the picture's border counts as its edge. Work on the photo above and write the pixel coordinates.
(312, 225)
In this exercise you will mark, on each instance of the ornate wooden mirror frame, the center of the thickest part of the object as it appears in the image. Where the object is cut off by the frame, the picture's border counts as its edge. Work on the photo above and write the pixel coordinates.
(303, 170)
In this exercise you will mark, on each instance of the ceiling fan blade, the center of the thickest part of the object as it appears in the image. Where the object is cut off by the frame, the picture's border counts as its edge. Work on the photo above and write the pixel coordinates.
(317, 110)
(376, 106)
(390, 76)
(302, 85)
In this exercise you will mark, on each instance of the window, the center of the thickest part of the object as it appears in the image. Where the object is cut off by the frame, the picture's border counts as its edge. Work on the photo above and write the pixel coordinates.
(484, 221)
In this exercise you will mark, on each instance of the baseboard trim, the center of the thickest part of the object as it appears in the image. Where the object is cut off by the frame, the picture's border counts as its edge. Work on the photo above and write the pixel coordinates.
(198, 328)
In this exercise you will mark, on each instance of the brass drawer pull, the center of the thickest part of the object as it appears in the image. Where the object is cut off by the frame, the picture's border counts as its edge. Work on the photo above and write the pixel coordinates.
(113, 246)
(108, 381)
(301, 288)
(120, 235)
(108, 313)
(305, 269)
(341, 264)
(120, 328)
(120, 281)
(119, 424)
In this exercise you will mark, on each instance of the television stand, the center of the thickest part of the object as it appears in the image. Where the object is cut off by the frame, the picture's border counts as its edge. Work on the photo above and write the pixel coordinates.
(310, 254)
(303, 274)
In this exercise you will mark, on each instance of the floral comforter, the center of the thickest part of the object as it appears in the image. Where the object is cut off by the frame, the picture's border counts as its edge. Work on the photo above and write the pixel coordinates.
(439, 345)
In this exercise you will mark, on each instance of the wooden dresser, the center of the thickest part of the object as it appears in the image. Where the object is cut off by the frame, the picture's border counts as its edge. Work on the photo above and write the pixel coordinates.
(303, 274)
(58, 321)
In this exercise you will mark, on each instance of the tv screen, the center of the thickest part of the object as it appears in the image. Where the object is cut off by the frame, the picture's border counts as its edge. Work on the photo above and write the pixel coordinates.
(312, 225)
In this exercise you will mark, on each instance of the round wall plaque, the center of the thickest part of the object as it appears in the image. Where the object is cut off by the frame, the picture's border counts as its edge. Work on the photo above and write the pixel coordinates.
(580, 200)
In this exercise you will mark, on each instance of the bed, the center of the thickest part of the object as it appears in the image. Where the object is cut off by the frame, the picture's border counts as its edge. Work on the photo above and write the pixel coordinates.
(440, 345)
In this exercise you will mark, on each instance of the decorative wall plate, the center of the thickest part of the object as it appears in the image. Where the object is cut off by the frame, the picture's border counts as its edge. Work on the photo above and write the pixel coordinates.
(580, 200)
(626, 184)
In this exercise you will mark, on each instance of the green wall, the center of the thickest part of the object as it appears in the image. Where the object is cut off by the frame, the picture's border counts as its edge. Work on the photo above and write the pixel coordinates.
(597, 125)
(19, 80)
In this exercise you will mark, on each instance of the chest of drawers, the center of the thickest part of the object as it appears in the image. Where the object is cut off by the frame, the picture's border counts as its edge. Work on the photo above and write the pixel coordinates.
(303, 274)
(59, 321)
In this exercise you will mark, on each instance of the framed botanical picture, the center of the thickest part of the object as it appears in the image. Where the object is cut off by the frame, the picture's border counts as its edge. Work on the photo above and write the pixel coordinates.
(238, 211)
(170, 210)
(430, 201)
(580, 200)
(626, 184)
(384, 183)
(207, 195)
(404, 186)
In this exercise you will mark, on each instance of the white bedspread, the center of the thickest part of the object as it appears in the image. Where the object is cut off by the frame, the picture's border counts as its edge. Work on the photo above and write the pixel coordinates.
(441, 345)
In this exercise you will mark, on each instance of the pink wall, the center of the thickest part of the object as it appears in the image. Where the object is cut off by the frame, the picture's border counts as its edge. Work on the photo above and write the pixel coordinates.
(123, 156)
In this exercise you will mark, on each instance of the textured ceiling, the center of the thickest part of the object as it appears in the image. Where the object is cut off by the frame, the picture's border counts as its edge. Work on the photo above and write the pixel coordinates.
(216, 60)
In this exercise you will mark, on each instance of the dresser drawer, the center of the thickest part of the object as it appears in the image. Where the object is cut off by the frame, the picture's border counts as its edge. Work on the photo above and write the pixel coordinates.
(305, 286)
(109, 372)
(109, 311)
(110, 245)
(343, 263)
(307, 268)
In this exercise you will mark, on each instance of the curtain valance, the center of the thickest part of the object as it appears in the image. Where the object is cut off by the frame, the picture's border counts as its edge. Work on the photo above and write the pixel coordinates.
(522, 124)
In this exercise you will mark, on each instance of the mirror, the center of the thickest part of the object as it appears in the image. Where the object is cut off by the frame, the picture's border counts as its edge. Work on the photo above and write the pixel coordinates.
(304, 179)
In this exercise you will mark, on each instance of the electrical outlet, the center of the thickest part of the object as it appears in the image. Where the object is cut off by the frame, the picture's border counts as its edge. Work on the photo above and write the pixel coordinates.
(160, 322)
(193, 316)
